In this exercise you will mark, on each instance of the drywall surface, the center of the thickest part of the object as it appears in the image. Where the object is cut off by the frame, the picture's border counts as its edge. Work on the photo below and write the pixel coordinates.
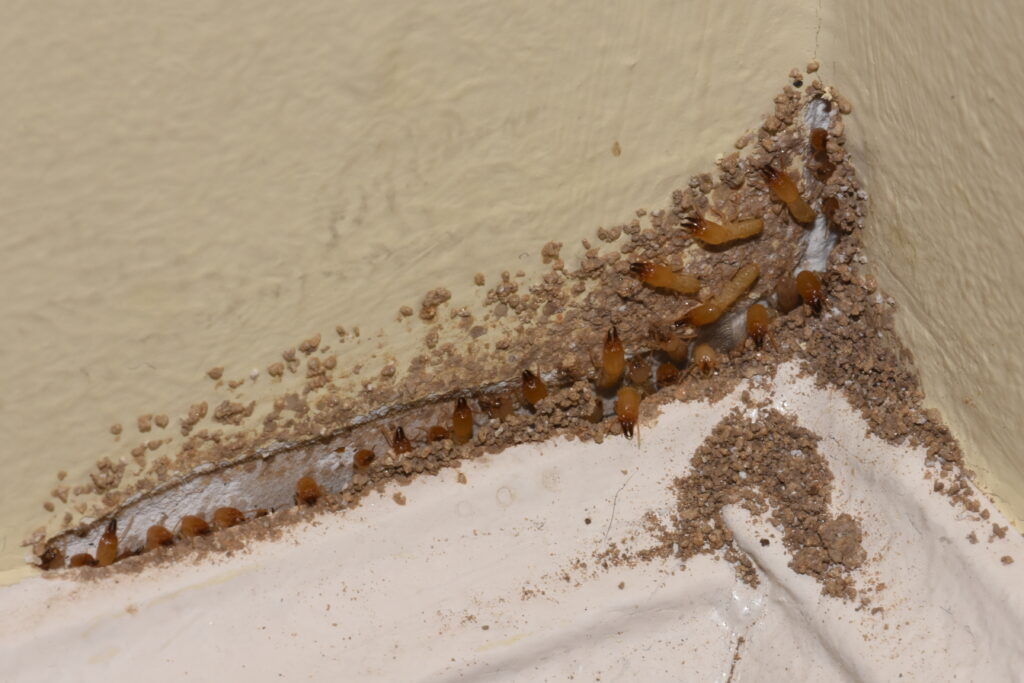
(201, 184)
(494, 579)
(940, 148)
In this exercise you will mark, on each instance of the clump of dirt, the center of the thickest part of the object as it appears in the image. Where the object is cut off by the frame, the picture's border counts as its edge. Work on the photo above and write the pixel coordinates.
(771, 467)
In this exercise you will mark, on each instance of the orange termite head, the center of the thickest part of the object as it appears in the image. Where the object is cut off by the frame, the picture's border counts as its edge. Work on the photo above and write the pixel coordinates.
(808, 284)
(462, 405)
(642, 269)
(398, 441)
(667, 373)
(192, 526)
(158, 535)
(111, 528)
(694, 224)
(770, 174)
(52, 558)
(364, 458)
(534, 389)
(613, 337)
(757, 323)
(437, 433)
(307, 491)
(705, 358)
(819, 138)
(82, 560)
(227, 517)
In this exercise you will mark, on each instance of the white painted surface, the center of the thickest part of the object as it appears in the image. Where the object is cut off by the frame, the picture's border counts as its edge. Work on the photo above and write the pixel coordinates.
(391, 592)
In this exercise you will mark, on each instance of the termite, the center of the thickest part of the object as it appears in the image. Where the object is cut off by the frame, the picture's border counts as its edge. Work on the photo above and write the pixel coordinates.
(757, 325)
(666, 374)
(809, 286)
(106, 549)
(639, 370)
(158, 535)
(363, 459)
(710, 232)
(399, 442)
(499, 406)
(783, 187)
(192, 526)
(613, 360)
(437, 433)
(674, 347)
(534, 389)
(82, 560)
(705, 358)
(823, 166)
(657, 275)
(596, 412)
(819, 138)
(227, 517)
(786, 296)
(52, 558)
(627, 408)
(462, 421)
(712, 309)
(307, 491)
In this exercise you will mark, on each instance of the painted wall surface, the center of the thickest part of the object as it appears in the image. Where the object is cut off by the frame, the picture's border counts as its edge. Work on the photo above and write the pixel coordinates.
(940, 146)
(199, 184)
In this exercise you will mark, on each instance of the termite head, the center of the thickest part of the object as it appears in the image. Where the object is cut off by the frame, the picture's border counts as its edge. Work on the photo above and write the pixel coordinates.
(437, 433)
(111, 528)
(642, 269)
(771, 176)
(52, 558)
(694, 224)
(705, 358)
(808, 284)
(612, 338)
(365, 457)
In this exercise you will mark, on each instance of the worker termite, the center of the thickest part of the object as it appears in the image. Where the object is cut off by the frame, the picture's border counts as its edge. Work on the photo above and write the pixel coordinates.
(499, 406)
(534, 389)
(809, 286)
(666, 374)
(757, 325)
(399, 442)
(82, 560)
(52, 558)
(712, 309)
(227, 517)
(627, 408)
(786, 296)
(437, 433)
(307, 491)
(158, 535)
(192, 526)
(613, 360)
(596, 412)
(705, 358)
(363, 459)
(819, 138)
(710, 232)
(639, 371)
(462, 421)
(657, 275)
(823, 166)
(783, 187)
(106, 549)
(674, 347)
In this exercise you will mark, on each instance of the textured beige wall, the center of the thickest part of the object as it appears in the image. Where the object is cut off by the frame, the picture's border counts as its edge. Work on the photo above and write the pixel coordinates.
(940, 145)
(193, 184)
